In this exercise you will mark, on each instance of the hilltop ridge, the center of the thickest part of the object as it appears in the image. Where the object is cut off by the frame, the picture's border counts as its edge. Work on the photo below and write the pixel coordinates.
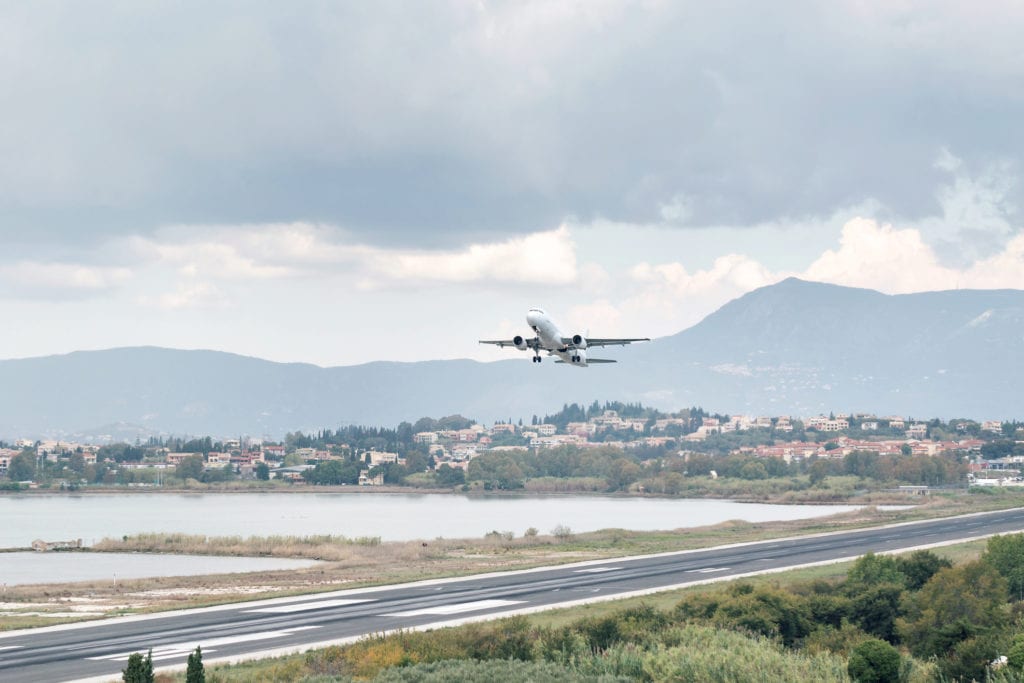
(794, 347)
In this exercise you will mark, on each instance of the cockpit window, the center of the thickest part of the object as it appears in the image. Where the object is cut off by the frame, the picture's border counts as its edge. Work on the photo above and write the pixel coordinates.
(536, 310)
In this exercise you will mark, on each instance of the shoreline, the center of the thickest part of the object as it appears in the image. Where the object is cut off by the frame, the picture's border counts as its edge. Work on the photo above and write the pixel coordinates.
(868, 498)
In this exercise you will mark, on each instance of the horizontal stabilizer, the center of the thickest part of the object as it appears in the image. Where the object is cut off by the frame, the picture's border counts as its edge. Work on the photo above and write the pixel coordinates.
(591, 361)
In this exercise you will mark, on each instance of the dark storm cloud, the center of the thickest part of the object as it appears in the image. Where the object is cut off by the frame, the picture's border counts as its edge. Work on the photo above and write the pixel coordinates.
(417, 123)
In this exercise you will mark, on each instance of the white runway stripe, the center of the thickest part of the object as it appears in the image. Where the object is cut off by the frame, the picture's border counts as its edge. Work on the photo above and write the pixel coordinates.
(457, 609)
(596, 570)
(209, 645)
(303, 606)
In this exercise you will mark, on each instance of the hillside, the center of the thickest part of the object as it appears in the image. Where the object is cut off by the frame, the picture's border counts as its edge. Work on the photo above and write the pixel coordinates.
(791, 348)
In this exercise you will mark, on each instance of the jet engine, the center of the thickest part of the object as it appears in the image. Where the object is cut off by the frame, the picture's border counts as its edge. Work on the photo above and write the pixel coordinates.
(579, 341)
(520, 343)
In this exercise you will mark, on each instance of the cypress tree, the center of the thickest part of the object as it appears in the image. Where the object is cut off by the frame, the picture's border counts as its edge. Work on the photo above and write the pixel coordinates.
(195, 673)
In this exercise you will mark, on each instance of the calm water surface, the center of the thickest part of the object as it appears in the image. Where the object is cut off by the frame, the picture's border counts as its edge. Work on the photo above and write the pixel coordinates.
(392, 517)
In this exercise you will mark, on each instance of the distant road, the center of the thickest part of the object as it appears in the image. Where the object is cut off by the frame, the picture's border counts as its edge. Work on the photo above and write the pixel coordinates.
(244, 630)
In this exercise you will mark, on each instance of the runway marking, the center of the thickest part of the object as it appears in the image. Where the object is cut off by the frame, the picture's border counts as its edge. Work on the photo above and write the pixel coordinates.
(179, 649)
(596, 570)
(457, 609)
(304, 606)
(707, 570)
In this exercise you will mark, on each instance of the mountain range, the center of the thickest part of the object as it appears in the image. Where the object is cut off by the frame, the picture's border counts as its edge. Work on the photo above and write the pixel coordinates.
(793, 348)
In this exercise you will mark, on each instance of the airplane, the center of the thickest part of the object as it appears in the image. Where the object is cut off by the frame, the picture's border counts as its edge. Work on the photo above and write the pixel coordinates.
(570, 350)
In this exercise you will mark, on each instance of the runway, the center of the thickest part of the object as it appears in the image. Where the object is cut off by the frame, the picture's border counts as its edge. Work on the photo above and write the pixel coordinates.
(244, 630)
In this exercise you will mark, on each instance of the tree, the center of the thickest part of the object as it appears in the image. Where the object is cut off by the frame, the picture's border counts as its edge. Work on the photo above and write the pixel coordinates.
(333, 472)
(753, 470)
(263, 471)
(876, 609)
(195, 673)
(970, 659)
(997, 449)
(22, 466)
(818, 472)
(957, 604)
(870, 570)
(450, 476)
(76, 463)
(874, 661)
(1006, 555)
(190, 467)
(920, 566)
(1015, 655)
(139, 669)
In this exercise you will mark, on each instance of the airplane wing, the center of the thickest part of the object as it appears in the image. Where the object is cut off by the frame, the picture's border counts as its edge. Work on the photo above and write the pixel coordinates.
(605, 342)
(529, 343)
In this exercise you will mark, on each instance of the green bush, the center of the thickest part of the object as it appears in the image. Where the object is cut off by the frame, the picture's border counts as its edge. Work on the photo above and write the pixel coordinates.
(705, 654)
(874, 661)
(473, 671)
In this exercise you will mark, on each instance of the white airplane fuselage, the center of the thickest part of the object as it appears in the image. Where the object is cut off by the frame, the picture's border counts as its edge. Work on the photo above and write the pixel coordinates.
(551, 339)
(568, 349)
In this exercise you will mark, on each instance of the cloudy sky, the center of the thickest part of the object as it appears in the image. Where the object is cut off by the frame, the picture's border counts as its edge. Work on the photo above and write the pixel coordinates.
(344, 182)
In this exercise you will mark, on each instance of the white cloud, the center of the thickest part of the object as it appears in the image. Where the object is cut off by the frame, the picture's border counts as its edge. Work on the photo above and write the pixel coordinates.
(884, 258)
(193, 295)
(274, 251)
(55, 280)
(207, 257)
(732, 270)
(542, 257)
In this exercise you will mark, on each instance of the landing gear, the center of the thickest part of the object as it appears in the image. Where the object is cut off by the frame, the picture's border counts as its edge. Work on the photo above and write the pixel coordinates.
(537, 359)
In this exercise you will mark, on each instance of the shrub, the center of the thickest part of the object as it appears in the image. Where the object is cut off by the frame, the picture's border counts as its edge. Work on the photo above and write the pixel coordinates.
(969, 660)
(708, 655)
(874, 661)
(470, 671)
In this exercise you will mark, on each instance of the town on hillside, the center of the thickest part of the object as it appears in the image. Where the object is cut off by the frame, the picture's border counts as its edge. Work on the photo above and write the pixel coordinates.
(453, 451)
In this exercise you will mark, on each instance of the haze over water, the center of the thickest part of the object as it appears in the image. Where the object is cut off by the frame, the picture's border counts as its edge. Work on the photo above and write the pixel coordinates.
(392, 517)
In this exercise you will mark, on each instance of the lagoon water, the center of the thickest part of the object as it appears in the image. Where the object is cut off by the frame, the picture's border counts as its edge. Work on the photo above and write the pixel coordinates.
(391, 516)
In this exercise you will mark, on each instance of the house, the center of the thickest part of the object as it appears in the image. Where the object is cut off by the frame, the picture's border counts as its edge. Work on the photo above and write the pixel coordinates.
(171, 458)
(381, 458)
(366, 480)
(918, 430)
(275, 452)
